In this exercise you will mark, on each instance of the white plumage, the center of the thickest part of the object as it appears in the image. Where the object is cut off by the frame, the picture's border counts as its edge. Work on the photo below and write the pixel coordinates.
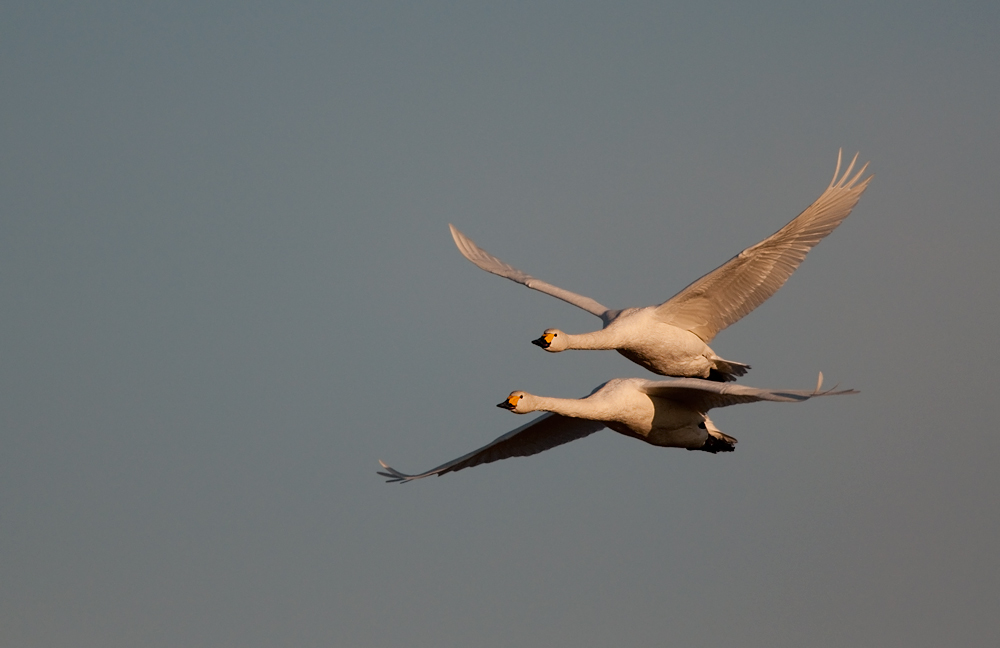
(667, 413)
(672, 338)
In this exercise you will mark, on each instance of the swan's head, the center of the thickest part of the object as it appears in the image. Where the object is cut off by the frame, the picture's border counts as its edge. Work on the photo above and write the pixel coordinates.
(552, 340)
(517, 402)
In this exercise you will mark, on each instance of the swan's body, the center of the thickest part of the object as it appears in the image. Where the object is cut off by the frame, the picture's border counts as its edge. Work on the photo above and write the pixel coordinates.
(672, 338)
(666, 413)
(642, 337)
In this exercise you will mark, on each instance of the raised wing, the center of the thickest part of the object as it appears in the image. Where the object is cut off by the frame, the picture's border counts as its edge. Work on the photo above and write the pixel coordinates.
(735, 288)
(490, 263)
(703, 395)
(543, 433)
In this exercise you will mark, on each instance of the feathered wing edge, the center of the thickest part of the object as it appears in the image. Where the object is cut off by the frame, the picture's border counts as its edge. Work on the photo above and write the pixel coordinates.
(491, 264)
(543, 433)
(731, 291)
(703, 395)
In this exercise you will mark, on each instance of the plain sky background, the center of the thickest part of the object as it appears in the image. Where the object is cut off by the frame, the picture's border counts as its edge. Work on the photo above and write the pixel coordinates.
(228, 289)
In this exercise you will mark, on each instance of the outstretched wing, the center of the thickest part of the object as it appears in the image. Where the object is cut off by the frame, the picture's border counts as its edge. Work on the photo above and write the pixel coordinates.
(735, 288)
(703, 395)
(543, 433)
(490, 263)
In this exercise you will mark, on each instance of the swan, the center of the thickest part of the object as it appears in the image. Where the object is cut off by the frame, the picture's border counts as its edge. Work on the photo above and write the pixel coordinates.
(672, 338)
(668, 413)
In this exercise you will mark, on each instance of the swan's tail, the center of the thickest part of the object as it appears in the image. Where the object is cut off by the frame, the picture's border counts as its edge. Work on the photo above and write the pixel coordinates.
(727, 370)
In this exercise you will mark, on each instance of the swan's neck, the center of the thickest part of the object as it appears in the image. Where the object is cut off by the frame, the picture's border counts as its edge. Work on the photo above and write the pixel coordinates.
(575, 407)
(596, 340)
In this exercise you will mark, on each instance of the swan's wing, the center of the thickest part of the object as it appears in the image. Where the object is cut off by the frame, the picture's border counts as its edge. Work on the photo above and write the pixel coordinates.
(543, 433)
(735, 288)
(703, 395)
(490, 263)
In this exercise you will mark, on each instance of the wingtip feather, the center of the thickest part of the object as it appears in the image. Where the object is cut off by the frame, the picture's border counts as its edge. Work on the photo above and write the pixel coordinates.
(392, 474)
(846, 180)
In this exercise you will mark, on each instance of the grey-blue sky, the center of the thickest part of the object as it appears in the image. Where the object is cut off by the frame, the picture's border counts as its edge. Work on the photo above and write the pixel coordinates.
(229, 289)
